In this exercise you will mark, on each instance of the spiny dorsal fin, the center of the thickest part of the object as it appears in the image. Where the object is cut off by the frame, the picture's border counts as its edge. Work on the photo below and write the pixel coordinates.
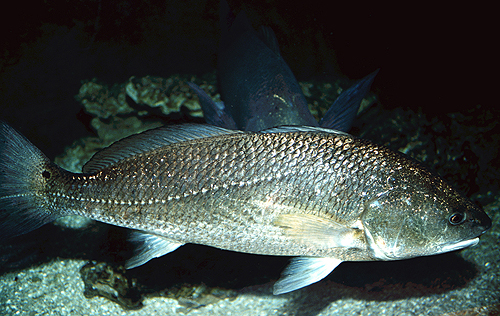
(150, 140)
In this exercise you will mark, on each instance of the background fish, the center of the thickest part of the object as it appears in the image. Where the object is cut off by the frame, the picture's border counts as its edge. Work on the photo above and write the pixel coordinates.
(319, 194)
(258, 88)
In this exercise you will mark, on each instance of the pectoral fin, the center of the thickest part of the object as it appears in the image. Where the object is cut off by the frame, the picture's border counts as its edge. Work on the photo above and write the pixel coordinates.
(150, 246)
(314, 230)
(214, 113)
(303, 271)
(343, 111)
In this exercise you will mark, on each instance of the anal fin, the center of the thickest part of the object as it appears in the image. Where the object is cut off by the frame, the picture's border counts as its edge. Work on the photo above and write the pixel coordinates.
(303, 271)
(150, 246)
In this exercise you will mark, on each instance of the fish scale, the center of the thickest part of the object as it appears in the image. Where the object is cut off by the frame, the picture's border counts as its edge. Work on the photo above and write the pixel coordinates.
(231, 178)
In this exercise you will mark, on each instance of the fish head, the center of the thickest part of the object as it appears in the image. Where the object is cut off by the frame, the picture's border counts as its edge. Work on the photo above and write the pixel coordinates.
(420, 218)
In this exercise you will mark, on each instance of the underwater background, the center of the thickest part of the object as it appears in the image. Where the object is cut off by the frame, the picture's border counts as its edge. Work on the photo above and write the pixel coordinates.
(66, 84)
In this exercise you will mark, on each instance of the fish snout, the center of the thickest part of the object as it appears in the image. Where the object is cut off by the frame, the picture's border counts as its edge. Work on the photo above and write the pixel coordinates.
(478, 221)
(481, 222)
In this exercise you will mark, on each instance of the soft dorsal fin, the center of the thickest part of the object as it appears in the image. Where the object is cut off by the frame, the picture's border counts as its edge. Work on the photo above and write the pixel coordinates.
(310, 129)
(150, 140)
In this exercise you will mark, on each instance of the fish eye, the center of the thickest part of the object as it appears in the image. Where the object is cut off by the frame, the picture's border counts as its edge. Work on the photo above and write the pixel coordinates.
(456, 218)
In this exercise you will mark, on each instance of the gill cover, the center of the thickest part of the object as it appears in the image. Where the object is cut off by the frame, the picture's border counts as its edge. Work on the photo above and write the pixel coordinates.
(402, 223)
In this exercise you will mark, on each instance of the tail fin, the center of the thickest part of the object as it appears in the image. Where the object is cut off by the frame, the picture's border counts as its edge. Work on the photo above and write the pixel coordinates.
(22, 170)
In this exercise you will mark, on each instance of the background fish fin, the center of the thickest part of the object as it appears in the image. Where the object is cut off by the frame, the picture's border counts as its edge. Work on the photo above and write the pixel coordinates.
(214, 113)
(266, 35)
(342, 113)
(151, 140)
(303, 271)
(150, 246)
(311, 129)
(310, 229)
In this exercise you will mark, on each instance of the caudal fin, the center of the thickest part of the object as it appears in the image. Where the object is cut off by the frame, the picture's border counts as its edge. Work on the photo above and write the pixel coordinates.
(22, 171)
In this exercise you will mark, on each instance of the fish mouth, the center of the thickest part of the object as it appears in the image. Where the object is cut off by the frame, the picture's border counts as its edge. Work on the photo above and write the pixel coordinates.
(459, 245)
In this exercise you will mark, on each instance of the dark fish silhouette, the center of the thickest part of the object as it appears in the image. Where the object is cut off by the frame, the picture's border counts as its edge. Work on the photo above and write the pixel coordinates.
(258, 88)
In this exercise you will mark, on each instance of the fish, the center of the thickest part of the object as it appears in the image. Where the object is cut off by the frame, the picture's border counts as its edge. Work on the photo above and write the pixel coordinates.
(258, 88)
(320, 195)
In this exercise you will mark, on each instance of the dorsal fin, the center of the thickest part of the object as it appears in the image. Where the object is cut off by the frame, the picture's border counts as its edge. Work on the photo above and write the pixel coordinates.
(150, 140)
(311, 129)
